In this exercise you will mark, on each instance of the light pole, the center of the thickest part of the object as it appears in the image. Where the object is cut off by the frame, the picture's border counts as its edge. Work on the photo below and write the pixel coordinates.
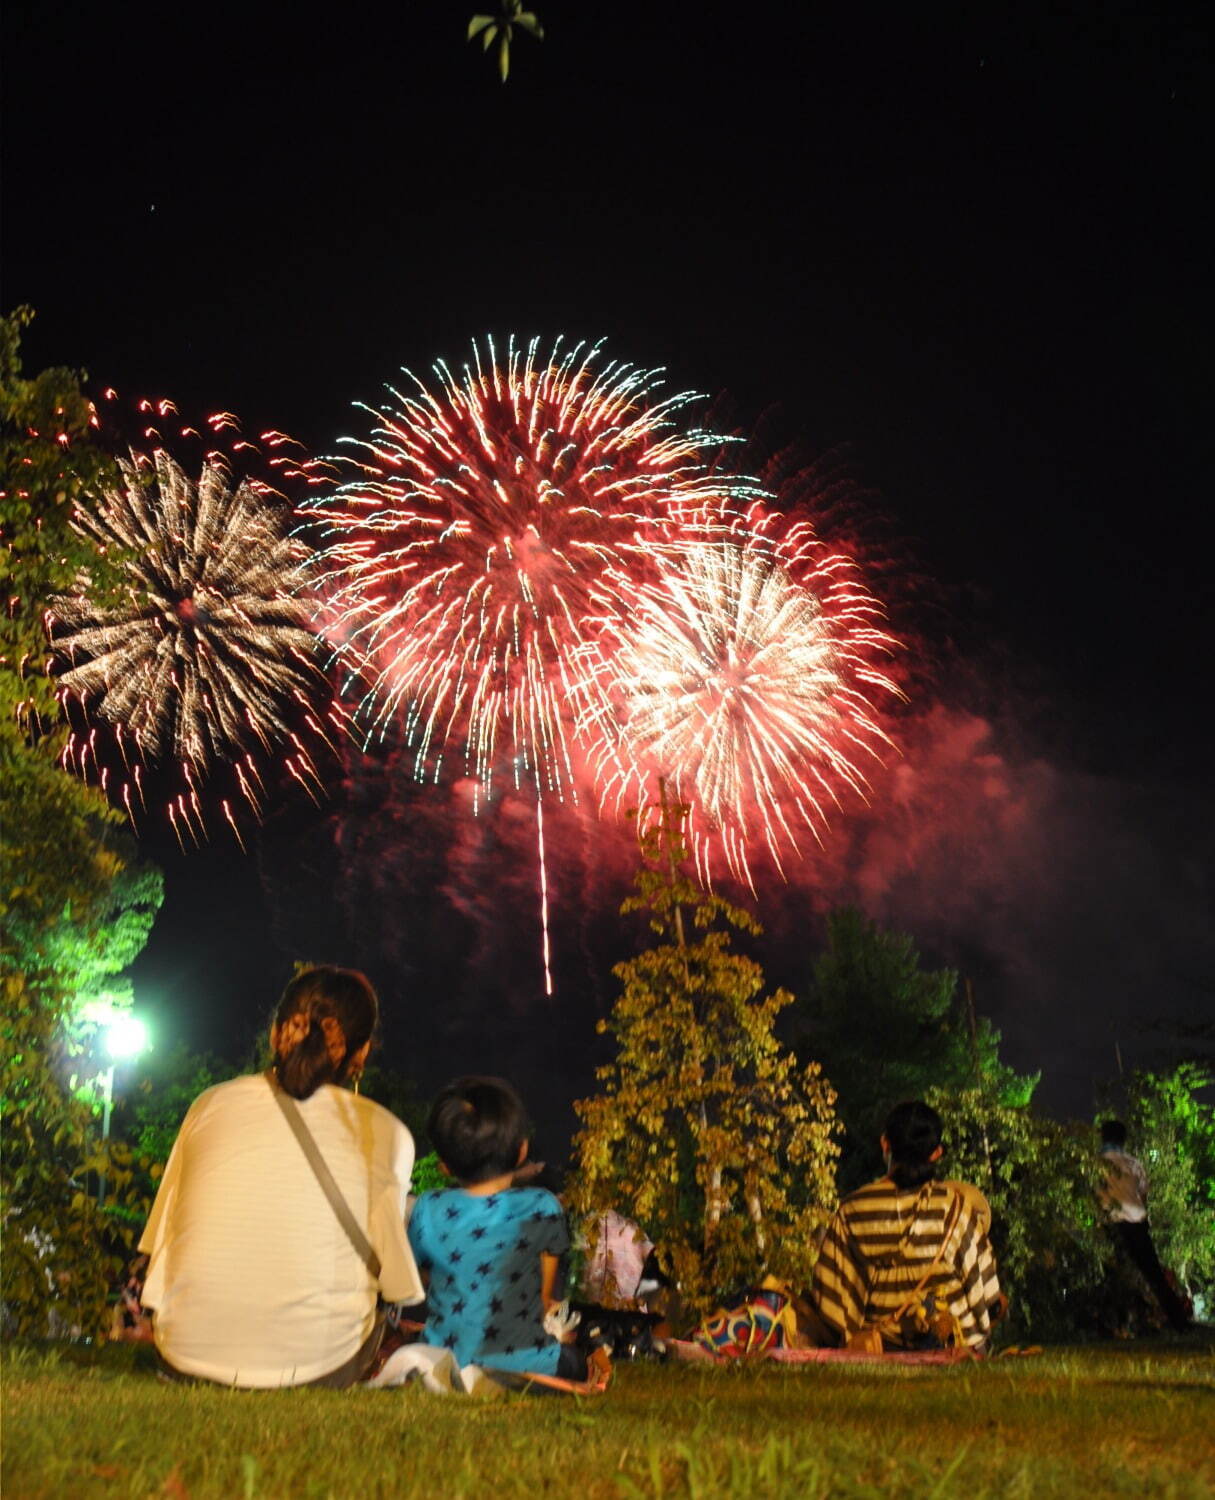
(126, 1036)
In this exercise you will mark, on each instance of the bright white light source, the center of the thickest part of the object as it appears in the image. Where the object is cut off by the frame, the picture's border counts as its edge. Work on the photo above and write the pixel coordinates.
(126, 1036)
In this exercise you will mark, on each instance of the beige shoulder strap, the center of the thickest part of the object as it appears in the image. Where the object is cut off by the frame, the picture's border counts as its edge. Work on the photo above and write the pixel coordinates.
(324, 1176)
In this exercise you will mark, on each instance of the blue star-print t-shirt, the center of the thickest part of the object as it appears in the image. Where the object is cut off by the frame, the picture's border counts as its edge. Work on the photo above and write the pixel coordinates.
(483, 1257)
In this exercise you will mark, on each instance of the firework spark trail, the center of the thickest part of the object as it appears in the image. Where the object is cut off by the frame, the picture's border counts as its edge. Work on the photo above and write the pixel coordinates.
(206, 659)
(488, 520)
(741, 672)
(545, 949)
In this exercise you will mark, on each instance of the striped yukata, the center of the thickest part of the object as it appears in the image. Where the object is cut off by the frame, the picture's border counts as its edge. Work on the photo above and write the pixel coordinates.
(884, 1239)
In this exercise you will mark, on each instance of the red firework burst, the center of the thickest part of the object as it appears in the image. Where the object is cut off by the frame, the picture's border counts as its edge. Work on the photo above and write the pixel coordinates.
(489, 524)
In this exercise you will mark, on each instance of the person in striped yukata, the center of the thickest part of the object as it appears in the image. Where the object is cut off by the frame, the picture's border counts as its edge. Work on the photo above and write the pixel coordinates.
(907, 1258)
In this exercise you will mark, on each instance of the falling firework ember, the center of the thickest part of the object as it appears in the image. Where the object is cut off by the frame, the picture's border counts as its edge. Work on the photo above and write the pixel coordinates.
(488, 520)
(741, 674)
(205, 664)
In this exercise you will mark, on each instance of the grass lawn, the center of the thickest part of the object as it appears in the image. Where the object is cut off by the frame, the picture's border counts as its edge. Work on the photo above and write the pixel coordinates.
(1133, 1420)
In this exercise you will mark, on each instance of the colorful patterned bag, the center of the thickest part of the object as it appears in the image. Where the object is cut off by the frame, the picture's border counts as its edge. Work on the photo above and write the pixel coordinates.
(764, 1320)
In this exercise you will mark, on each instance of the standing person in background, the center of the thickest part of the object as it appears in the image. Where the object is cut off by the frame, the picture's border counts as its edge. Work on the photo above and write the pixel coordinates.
(256, 1278)
(1124, 1195)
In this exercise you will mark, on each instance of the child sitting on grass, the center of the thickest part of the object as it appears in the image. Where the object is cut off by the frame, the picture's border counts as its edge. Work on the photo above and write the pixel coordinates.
(491, 1251)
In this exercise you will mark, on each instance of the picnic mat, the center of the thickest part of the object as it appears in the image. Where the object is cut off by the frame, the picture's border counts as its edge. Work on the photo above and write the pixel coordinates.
(684, 1349)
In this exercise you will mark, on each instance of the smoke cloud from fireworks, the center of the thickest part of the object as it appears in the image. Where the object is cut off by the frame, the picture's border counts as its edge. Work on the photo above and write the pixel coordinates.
(1056, 892)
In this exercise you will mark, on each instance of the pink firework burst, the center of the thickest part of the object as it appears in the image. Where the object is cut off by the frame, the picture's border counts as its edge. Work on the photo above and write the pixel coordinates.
(491, 518)
(743, 673)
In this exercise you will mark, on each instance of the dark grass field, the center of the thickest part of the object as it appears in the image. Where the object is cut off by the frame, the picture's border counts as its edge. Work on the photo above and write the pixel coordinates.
(1109, 1420)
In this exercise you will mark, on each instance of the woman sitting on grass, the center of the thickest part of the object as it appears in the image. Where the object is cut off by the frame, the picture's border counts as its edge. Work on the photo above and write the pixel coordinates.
(906, 1262)
(254, 1278)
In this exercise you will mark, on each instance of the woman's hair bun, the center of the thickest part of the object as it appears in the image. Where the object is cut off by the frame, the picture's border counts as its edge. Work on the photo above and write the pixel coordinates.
(322, 1053)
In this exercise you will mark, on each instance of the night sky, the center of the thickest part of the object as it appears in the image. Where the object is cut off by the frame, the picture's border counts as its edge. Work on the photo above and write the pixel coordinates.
(966, 257)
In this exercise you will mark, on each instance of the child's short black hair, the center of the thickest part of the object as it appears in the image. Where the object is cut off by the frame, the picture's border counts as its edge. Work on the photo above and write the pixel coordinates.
(477, 1126)
(1113, 1133)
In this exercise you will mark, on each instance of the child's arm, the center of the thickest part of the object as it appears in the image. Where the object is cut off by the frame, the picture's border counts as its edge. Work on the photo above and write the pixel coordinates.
(562, 1329)
(548, 1280)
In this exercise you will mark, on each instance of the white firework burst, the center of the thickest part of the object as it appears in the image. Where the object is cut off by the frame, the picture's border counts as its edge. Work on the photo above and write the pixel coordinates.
(741, 674)
(206, 657)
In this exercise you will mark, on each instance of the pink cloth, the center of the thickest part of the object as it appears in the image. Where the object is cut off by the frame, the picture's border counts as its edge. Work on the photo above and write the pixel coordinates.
(617, 1255)
(693, 1353)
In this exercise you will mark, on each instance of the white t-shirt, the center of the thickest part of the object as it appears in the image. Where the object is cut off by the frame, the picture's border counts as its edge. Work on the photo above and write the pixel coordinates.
(253, 1280)
(1124, 1191)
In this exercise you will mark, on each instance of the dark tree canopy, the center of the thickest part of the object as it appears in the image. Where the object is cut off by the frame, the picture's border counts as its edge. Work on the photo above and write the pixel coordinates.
(885, 1029)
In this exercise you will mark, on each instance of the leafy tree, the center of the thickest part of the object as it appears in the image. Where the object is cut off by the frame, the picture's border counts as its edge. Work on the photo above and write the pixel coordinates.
(1172, 1130)
(49, 466)
(705, 1131)
(95, 953)
(885, 1029)
(52, 846)
(501, 28)
(1041, 1179)
(60, 856)
(88, 960)
(61, 1252)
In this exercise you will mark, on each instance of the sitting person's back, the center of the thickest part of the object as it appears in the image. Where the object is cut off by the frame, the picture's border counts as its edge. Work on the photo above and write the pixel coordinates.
(490, 1250)
(253, 1279)
(908, 1243)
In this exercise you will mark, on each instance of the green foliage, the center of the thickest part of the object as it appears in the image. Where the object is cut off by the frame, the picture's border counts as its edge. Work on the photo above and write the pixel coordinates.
(48, 467)
(501, 28)
(1041, 1179)
(1172, 1130)
(429, 1174)
(95, 953)
(885, 1030)
(60, 857)
(61, 1252)
(705, 1131)
(55, 856)
(53, 853)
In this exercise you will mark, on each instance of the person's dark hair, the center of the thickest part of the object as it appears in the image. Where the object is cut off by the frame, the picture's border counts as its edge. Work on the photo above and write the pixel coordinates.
(1113, 1133)
(341, 1011)
(477, 1126)
(914, 1133)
